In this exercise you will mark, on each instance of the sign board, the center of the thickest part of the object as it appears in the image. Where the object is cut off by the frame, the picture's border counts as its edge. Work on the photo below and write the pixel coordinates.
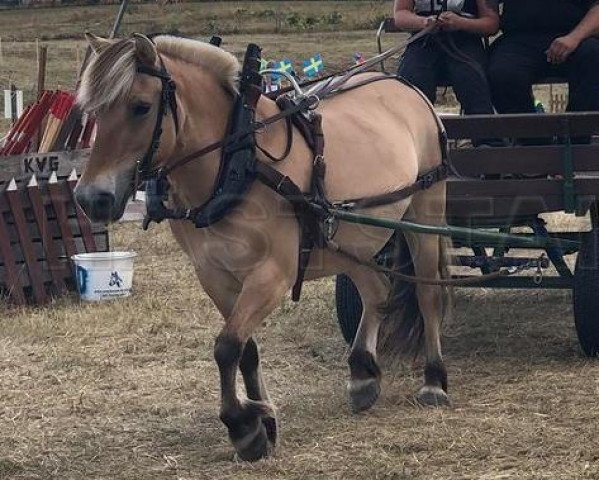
(42, 164)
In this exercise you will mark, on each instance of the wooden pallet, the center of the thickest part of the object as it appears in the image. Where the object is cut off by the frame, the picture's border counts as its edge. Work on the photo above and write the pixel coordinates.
(41, 226)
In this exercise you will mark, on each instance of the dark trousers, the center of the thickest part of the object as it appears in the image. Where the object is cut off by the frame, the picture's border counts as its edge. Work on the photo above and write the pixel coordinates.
(426, 64)
(518, 60)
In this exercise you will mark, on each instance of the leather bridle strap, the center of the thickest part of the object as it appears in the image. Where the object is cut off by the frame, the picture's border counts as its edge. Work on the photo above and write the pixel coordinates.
(304, 104)
(168, 100)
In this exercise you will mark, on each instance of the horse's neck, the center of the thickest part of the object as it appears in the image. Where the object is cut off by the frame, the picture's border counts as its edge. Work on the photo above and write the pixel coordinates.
(205, 109)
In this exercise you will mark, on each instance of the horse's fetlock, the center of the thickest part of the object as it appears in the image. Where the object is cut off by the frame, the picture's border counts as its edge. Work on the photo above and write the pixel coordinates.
(362, 364)
(435, 374)
(227, 349)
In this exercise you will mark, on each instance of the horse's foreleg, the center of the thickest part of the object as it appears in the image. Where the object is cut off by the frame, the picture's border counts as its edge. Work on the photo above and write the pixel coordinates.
(250, 422)
(251, 372)
(425, 255)
(364, 386)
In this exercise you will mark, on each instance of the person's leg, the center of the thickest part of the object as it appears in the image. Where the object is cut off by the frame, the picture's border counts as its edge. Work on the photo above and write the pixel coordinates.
(515, 62)
(420, 65)
(465, 57)
(466, 72)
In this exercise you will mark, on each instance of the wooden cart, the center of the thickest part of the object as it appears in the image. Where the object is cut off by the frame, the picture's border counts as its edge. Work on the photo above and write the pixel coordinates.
(549, 167)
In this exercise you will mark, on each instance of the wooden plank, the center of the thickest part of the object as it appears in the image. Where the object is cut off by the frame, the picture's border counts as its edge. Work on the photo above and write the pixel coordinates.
(57, 195)
(35, 274)
(474, 211)
(11, 274)
(531, 160)
(84, 223)
(59, 248)
(521, 188)
(521, 125)
(43, 164)
(57, 269)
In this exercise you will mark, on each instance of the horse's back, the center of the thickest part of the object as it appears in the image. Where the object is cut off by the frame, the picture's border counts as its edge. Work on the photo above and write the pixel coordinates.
(378, 137)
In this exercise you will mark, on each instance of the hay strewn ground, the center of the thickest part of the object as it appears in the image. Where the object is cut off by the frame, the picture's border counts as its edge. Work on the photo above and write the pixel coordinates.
(128, 390)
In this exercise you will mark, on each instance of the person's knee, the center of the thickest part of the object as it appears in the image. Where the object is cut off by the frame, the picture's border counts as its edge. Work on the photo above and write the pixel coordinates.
(502, 77)
(587, 55)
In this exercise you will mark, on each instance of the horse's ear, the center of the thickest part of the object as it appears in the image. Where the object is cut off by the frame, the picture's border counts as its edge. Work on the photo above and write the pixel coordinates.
(145, 50)
(96, 43)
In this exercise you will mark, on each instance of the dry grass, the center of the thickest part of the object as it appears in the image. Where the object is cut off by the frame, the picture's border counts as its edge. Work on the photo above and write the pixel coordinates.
(128, 390)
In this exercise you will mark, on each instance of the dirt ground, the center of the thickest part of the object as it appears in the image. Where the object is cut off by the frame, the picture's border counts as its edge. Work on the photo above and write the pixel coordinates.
(128, 390)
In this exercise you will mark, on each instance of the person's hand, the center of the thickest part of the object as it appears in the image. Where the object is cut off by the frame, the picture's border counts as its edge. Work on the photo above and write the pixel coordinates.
(450, 21)
(429, 22)
(561, 49)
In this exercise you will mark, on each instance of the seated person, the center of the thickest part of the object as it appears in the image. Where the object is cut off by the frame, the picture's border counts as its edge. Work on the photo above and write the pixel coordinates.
(542, 38)
(456, 53)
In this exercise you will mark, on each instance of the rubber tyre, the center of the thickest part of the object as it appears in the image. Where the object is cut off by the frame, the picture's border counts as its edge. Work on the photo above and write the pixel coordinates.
(586, 297)
(349, 307)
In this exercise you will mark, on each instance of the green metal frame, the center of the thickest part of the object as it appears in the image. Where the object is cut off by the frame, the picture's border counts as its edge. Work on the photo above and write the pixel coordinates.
(568, 184)
(467, 235)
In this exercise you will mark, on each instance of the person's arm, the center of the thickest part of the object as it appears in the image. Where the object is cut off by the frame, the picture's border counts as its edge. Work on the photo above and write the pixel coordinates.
(562, 47)
(406, 19)
(487, 22)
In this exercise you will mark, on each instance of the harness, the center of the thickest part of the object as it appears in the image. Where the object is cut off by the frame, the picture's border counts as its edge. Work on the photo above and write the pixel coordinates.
(239, 167)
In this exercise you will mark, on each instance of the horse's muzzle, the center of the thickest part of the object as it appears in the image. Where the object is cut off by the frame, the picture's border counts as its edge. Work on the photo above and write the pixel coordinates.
(98, 205)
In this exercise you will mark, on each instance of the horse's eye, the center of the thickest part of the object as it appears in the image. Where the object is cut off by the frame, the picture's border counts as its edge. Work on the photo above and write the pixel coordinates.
(141, 109)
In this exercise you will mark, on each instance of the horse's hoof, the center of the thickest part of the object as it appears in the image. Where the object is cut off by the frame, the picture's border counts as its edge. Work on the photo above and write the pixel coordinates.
(272, 428)
(254, 446)
(432, 397)
(363, 394)
(252, 430)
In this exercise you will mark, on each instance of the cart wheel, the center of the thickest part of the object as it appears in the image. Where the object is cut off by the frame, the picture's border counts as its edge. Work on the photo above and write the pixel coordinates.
(349, 307)
(586, 300)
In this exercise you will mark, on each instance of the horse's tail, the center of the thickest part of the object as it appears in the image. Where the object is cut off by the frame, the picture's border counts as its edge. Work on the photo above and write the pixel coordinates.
(402, 330)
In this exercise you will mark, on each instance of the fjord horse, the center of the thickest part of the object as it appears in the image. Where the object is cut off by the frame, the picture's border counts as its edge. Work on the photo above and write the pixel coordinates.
(378, 138)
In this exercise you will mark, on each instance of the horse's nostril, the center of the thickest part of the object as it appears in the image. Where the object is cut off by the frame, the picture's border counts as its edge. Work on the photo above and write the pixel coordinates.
(104, 201)
(98, 205)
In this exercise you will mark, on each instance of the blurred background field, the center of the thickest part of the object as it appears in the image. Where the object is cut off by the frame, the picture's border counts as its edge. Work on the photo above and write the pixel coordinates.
(291, 29)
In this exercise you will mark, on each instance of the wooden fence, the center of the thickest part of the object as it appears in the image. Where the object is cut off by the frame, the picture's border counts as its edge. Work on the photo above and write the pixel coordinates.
(41, 225)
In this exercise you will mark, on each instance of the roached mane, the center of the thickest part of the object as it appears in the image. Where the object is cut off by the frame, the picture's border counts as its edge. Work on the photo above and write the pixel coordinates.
(110, 75)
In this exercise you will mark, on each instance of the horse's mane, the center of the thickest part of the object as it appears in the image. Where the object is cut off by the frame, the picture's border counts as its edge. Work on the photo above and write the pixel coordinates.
(109, 76)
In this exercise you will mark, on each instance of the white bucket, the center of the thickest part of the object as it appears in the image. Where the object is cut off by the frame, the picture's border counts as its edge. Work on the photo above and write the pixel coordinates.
(104, 275)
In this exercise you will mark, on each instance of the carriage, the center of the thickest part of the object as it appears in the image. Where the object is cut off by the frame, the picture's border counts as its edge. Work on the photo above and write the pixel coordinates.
(507, 189)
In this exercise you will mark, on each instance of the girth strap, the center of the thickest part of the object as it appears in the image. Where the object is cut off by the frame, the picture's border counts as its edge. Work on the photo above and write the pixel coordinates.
(423, 182)
(307, 217)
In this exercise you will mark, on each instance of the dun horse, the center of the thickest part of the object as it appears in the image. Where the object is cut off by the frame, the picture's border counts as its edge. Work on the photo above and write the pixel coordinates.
(378, 138)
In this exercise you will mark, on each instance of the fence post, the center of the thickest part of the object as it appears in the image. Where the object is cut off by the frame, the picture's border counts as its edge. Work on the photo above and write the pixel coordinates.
(13, 102)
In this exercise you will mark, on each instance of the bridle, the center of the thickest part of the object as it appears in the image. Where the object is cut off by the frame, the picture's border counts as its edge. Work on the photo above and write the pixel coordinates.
(168, 100)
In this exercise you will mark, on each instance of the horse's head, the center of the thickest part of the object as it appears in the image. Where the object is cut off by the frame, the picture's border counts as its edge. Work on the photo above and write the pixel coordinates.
(121, 88)
(126, 106)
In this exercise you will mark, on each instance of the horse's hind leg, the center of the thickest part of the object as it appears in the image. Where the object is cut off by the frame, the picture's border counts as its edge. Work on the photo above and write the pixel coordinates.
(425, 253)
(365, 375)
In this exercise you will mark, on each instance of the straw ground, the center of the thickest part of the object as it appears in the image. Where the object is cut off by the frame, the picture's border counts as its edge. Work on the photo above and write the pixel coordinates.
(128, 390)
